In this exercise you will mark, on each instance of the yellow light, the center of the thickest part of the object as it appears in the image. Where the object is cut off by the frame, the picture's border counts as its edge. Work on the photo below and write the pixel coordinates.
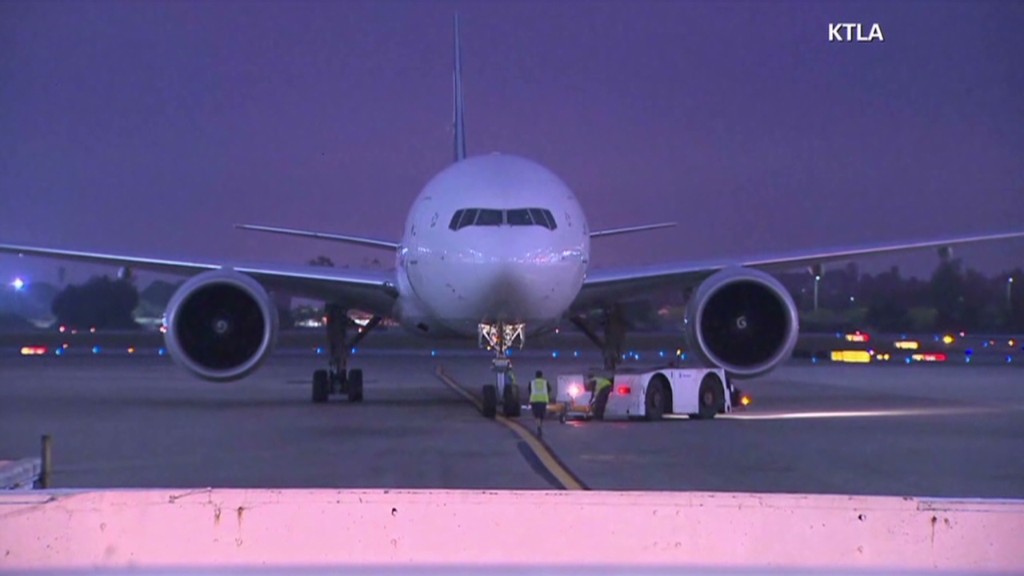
(852, 356)
(131, 350)
(857, 337)
(33, 350)
(1012, 343)
(948, 339)
(746, 401)
(907, 345)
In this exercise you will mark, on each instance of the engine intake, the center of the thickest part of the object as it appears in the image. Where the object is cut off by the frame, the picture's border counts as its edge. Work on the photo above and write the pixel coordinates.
(742, 320)
(221, 325)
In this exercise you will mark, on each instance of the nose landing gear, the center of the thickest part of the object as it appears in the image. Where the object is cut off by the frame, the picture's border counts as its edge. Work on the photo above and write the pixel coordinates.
(500, 337)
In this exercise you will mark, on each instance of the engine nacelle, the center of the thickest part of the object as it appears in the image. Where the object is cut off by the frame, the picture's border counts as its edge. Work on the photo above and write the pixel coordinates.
(742, 320)
(220, 325)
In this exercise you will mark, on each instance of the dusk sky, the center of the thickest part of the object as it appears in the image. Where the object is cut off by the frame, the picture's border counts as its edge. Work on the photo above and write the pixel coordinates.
(150, 128)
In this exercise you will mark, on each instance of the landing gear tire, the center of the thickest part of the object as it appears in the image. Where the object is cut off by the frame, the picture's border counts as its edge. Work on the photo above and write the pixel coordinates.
(654, 401)
(510, 406)
(355, 385)
(709, 398)
(321, 386)
(490, 400)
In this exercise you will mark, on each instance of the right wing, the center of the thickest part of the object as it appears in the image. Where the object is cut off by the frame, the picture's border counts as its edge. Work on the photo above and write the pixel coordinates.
(370, 290)
(358, 240)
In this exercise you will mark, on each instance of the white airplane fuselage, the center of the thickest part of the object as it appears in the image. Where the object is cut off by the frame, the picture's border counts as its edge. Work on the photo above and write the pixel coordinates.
(451, 280)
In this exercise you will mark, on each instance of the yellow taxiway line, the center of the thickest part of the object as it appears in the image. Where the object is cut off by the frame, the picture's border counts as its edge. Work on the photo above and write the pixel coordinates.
(544, 454)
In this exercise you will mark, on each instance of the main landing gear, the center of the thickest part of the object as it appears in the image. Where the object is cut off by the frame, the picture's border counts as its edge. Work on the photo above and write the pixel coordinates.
(611, 344)
(500, 337)
(337, 379)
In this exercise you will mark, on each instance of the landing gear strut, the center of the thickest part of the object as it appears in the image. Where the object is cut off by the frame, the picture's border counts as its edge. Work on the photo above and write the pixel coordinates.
(614, 335)
(500, 337)
(337, 379)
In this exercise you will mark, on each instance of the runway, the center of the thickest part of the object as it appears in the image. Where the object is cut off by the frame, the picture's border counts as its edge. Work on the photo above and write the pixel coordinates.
(134, 421)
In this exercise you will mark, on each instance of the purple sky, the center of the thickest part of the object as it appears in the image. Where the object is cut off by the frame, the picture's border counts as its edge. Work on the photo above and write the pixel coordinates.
(151, 127)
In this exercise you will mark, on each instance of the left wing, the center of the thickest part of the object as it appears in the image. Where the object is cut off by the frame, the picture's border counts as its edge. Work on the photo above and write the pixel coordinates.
(630, 229)
(371, 290)
(606, 286)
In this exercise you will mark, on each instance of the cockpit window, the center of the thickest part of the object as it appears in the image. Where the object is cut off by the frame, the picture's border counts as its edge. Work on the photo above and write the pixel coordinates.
(463, 218)
(520, 217)
(543, 217)
(454, 224)
(492, 217)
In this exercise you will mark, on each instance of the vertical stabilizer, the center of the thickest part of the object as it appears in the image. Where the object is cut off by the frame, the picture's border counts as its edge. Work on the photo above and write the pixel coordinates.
(460, 125)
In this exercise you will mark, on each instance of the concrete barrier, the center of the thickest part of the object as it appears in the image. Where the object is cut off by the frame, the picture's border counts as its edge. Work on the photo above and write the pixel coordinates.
(60, 529)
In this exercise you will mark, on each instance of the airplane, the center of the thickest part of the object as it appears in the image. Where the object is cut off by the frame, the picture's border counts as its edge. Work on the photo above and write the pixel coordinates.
(495, 246)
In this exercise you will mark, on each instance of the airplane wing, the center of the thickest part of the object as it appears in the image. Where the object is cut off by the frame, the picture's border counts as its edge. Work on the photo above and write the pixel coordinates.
(605, 286)
(357, 240)
(630, 229)
(370, 290)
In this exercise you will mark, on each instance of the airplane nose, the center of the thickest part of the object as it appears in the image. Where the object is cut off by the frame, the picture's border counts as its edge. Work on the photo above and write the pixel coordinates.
(529, 280)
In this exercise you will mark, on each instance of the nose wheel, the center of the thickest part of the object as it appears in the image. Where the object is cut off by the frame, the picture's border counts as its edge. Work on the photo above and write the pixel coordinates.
(500, 337)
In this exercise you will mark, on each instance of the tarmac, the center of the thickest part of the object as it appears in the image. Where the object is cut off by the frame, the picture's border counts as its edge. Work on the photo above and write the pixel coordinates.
(141, 421)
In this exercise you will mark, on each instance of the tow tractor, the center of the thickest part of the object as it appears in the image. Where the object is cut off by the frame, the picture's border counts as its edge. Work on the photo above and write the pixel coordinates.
(700, 393)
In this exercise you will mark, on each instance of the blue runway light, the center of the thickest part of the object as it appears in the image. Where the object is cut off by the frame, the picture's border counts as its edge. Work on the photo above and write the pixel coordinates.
(814, 359)
(575, 353)
(95, 349)
(433, 352)
(162, 352)
(907, 360)
(319, 350)
(59, 351)
(554, 353)
(353, 350)
(968, 352)
(661, 353)
(967, 360)
(1009, 359)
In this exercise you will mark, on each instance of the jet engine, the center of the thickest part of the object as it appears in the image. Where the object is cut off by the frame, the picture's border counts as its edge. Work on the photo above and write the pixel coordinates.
(220, 325)
(742, 320)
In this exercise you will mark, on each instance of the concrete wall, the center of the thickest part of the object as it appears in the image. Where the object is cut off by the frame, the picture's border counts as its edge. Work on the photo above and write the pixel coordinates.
(60, 529)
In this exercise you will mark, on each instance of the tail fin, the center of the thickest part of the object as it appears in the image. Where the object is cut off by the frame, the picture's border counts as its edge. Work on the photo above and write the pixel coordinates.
(460, 125)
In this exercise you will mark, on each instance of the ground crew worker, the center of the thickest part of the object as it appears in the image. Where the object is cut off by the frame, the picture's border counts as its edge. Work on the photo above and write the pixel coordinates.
(601, 388)
(539, 399)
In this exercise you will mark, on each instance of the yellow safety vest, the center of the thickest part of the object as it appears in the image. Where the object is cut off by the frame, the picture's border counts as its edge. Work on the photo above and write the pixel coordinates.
(539, 390)
(601, 384)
